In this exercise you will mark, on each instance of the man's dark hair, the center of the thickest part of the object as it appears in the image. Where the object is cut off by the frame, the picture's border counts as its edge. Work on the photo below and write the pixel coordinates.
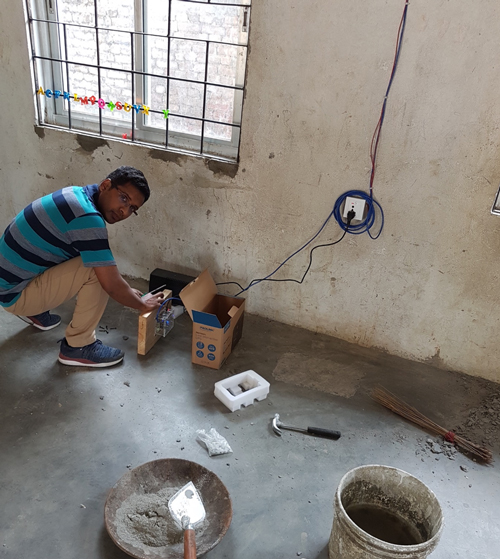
(126, 174)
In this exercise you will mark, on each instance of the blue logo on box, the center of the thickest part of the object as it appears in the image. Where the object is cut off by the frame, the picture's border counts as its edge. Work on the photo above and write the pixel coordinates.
(211, 347)
(211, 356)
(199, 354)
(200, 345)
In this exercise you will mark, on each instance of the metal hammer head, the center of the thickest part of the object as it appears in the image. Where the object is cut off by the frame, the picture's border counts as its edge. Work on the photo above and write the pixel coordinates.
(276, 424)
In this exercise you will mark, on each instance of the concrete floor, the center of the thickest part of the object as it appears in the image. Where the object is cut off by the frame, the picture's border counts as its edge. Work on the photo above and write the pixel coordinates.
(68, 434)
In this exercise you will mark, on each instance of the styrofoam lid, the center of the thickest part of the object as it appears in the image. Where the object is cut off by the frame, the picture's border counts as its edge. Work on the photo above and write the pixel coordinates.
(198, 294)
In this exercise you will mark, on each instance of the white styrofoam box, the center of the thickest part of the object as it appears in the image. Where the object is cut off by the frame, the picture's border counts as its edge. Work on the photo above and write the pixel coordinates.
(241, 390)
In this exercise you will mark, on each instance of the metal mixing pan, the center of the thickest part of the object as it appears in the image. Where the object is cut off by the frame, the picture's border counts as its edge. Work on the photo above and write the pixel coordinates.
(138, 519)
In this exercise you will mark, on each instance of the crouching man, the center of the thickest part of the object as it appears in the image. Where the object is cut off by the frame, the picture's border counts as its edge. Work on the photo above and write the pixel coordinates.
(57, 247)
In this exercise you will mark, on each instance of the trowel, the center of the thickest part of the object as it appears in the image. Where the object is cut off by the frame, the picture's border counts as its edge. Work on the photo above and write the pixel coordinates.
(186, 508)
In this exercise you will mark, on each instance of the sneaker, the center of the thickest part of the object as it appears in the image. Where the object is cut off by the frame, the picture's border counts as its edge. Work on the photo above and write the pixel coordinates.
(92, 355)
(43, 321)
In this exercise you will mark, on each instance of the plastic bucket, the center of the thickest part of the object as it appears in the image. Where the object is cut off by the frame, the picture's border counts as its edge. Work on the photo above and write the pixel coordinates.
(384, 513)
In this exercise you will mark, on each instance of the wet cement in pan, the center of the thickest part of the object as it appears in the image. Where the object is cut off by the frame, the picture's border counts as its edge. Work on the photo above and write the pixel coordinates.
(144, 520)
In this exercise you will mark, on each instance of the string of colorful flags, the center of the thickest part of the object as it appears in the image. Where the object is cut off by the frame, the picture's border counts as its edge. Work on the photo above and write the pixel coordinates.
(101, 103)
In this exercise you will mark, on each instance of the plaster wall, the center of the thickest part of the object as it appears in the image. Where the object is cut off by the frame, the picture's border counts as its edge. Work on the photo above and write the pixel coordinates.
(317, 73)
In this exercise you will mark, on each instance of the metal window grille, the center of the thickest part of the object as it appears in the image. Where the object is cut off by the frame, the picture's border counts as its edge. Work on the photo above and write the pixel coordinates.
(163, 73)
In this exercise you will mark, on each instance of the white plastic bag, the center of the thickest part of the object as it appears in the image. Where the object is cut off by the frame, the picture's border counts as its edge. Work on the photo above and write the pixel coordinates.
(216, 444)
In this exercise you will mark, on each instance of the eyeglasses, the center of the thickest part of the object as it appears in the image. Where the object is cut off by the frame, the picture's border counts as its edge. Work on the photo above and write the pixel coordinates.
(125, 202)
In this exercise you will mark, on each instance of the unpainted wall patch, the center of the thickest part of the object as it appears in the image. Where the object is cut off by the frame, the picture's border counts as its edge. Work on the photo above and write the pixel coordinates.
(168, 156)
(89, 143)
(436, 360)
(40, 132)
(222, 168)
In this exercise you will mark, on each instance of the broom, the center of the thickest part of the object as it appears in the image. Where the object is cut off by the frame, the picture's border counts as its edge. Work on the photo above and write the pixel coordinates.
(384, 397)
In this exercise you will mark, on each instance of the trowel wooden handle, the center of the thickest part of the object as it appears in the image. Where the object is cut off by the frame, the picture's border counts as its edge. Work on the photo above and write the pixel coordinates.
(326, 433)
(189, 544)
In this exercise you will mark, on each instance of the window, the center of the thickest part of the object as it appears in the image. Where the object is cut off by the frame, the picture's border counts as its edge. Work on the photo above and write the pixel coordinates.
(163, 73)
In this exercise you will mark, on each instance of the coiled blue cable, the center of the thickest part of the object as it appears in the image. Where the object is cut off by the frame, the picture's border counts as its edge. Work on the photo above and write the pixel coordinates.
(367, 223)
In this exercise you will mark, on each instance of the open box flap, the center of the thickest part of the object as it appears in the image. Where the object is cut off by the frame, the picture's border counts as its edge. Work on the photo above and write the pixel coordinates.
(206, 319)
(198, 294)
(233, 310)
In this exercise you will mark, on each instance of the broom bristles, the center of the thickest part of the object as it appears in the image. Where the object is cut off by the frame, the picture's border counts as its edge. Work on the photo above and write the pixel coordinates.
(387, 399)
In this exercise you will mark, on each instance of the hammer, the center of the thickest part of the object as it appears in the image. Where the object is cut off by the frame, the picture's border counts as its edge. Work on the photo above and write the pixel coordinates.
(318, 431)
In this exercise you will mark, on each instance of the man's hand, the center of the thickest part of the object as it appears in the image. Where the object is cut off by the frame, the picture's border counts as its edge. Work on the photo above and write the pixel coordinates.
(152, 302)
(118, 289)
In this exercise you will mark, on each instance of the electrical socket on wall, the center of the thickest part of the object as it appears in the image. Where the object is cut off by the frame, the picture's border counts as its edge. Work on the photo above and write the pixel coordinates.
(358, 205)
(495, 209)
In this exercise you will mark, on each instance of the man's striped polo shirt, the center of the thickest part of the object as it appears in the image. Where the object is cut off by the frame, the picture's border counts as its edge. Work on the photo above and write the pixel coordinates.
(51, 230)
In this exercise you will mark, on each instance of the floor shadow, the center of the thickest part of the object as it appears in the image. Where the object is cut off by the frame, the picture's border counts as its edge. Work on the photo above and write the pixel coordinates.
(108, 549)
(323, 554)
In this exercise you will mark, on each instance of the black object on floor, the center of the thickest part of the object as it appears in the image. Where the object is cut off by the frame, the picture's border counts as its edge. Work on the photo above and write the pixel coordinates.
(172, 280)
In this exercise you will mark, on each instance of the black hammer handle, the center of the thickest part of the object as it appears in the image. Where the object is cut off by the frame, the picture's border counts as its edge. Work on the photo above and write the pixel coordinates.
(326, 433)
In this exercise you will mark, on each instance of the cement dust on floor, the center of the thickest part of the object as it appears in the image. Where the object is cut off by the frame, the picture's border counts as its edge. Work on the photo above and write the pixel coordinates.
(68, 434)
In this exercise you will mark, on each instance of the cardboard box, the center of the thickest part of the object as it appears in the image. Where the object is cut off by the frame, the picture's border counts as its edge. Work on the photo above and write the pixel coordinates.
(217, 321)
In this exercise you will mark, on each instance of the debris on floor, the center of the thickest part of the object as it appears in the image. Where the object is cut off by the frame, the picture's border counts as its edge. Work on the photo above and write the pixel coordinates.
(483, 422)
(106, 329)
(390, 401)
(436, 448)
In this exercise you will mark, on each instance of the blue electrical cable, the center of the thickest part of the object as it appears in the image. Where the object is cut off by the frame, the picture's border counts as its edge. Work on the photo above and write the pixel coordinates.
(367, 223)
(378, 128)
(255, 282)
(164, 302)
(369, 220)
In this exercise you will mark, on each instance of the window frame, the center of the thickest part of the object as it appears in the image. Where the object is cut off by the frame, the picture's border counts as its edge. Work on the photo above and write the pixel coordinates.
(44, 31)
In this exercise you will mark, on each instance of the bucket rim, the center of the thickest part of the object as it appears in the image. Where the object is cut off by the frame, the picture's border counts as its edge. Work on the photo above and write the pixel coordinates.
(431, 542)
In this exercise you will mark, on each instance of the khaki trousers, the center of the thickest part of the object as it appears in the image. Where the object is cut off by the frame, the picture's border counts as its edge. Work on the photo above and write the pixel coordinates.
(56, 286)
